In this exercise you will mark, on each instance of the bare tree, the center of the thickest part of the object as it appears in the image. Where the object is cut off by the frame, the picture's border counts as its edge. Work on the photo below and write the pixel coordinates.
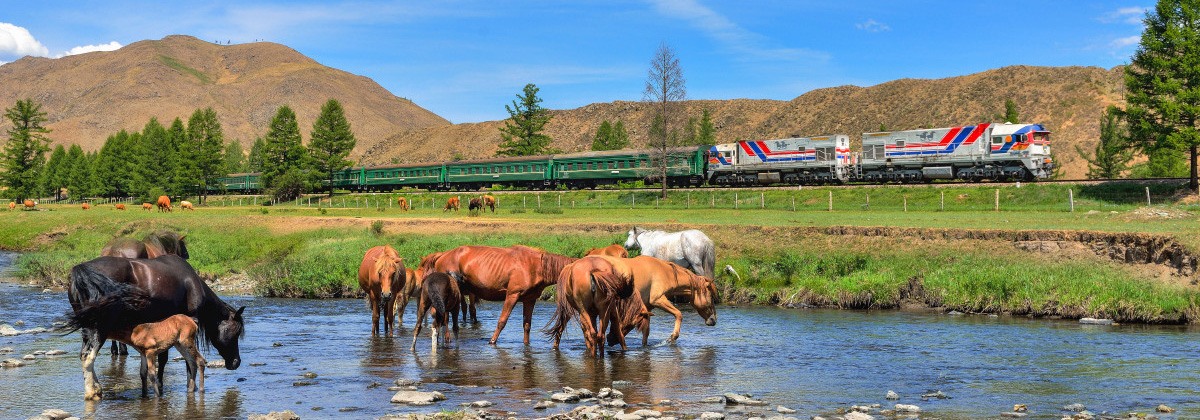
(665, 89)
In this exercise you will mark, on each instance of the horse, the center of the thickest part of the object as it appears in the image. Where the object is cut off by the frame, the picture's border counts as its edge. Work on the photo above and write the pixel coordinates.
(86, 206)
(658, 281)
(690, 248)
(147, 206)
(170, 287)
(150, 339)
(611, 250)
(451, 204)
(514, 274)
(490, 202)
(12, 205)
(29, 204)
(381, 275)
(186, 205)
(412, 288)
(441, 293)
(475, 204)
(595, 289)
(164, 204)
(119, 207)
(402, 202)
(155, 244)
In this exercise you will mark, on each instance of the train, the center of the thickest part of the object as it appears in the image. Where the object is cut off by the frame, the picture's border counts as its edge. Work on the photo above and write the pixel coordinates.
(989, 151)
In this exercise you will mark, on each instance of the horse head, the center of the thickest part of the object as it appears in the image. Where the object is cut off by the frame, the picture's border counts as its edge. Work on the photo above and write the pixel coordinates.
(704, 298)
(631, 242)
(389, 270)
(225, 338)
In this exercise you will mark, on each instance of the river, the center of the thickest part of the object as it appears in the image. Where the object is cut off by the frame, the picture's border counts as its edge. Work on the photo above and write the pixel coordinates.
(814, 361)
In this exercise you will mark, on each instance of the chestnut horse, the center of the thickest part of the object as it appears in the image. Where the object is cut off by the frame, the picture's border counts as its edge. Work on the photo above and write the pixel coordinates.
(86, 206)
(150, 339)
(451, 204)
(490, 202)
(412, 288)
(440, 293)
(12, 205)
(381, 275)
(147, 206)
(164, 204)
(29, 204)
(403, 204)
(658, 281)
(186, 205)
(514, 274)
(596, 288)
(611, 250)
(120, 207)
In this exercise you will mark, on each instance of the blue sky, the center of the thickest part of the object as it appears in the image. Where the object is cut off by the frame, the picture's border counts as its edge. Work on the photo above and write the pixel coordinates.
(465, 60)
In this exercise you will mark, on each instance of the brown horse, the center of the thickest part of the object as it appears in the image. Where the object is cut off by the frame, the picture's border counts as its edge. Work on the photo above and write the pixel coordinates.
(403, 204)
(151, 339)
(29, 204)
(164, 204)
(514, 274)
(490, 202)
(86, 206)
(157, 243)
(119, 207)
(381, 275)
(186, 205)
(596, 288)
(412, 288)
(12, 205)
(147, 206)
(475, 204)
(440, 293)
(451, 204)
(658, 281)
(611, 250)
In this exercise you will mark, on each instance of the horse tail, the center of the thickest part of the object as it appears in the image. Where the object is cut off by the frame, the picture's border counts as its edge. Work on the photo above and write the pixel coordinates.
(437, 299)
(563, 312)
(111, 308)
(89, 285)
(629, 311)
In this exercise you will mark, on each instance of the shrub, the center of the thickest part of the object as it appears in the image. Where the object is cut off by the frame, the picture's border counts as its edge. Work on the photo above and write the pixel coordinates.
(516, 210)
(548, 210)
(264, 211)
(377, 228)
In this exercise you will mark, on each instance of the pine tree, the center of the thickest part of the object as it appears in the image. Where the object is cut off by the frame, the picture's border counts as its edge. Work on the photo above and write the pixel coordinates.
(603, 138)
(331, 142)
(1112, 154)
(202, 151)
(235, 158)
(707, 133)
(54, 173)
(620, 137)
(160, 157)
(522, 132)
(25, 152)
(1010, 112)
(283, 151)
(1163, 85)
(254, 161)
(179, 160)
(79, 184)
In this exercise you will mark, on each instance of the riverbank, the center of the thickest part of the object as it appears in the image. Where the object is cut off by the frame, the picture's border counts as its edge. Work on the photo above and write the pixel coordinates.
(783, 258)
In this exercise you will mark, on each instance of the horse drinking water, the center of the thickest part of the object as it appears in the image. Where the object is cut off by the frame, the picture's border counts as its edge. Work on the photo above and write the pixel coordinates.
(150, 339)
(596, 290)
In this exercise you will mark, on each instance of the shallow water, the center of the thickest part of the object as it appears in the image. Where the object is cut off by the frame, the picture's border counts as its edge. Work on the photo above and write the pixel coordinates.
(814, 361)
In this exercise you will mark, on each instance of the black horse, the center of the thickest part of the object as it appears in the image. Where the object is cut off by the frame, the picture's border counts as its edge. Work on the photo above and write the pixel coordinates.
(157, 243)
(171, 287)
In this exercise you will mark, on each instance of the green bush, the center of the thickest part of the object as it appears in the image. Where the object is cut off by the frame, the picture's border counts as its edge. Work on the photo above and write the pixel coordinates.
(377, 228)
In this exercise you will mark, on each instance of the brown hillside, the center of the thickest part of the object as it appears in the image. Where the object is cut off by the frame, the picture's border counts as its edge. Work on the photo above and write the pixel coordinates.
(1068, 100)
(89, 96)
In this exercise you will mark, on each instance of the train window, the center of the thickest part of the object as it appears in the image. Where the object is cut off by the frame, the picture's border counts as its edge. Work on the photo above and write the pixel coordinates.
(997, 140)
(803, 149)
(899, 142)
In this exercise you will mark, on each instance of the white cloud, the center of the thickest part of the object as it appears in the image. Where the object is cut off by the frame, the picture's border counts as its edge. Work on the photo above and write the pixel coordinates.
(1126, 41)
(734, 37)
(15, 40)
(1130, 15)
(111, 46)
(872, 26)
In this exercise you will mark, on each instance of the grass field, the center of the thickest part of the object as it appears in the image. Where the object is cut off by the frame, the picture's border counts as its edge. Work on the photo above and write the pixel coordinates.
(298, 250)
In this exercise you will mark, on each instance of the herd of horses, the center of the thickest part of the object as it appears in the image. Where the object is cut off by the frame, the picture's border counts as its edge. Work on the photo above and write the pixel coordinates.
(453, 203)
(144, 293)
(163, 204)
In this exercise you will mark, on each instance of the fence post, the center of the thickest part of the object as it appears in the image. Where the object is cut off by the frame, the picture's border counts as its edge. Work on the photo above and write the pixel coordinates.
(655, 202)
(689, 200)
(942, 204)
(714, 200)
(632, 200)
(868, 201)
(539, 196)
(560, 200)
(1071, 198)
(601, 201)
(762, 200)
(1147, 196)
(997, 205)
(572, 203)
(906, 204)
(735, 201)
(523, 201)
(830, 200)
(793, 204)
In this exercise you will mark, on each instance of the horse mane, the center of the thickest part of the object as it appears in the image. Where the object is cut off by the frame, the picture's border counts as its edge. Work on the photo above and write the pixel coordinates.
(629, 310)
(552, 264)
(384, 261)
(427, 262)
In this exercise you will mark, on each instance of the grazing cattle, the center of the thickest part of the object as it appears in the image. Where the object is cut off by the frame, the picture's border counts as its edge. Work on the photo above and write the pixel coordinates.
(596, 290)
(150, 290)
(186, 205)
(12, 205)
(147, 206)
(658, 281)
(475, 204)
(440, 293)
(490, 202)
(515, 274)
(119, 207)
(451, 204)
(86, 206)
(402, 202)
(381, 275)
(690, 248)
(29, 204)
(150, 339)
(164, 204)
(611, 250)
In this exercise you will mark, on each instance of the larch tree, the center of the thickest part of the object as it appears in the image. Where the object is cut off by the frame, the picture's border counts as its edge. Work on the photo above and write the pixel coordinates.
(284, 154)
(202, 150)
(79, 184)
(665, 89)
(331, 142)
(55, 174)
(25, 152)
(235, 157)
(1112, 154)
(522, 132)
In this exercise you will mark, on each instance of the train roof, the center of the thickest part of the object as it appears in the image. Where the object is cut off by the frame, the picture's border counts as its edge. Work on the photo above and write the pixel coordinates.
(242, 174)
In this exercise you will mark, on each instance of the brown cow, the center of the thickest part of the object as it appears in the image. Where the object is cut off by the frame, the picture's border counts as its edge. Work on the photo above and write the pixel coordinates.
(164, 204)
(120, 207)
(12, 205)
(29, 204)
(186, 205)
(87, 206)
(475, 204)
(451, 204)
(147, 206)
(403, 204)
(490, 202)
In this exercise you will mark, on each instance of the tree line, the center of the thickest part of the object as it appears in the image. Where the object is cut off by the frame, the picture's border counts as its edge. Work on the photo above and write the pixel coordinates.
(177, 160)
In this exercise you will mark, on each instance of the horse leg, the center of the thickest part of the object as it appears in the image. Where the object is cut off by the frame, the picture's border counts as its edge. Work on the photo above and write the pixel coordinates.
(401, 303)
(190, 360)
(474, 300)
(144, 373)
(422, 307)
(509, 303)
(148, 358)
(455, 321)
(527, 317)
(389, 315)
(162, 366)
(93, 341)
(665, 304)
(589, 332)
(123, 349)
(374, 302)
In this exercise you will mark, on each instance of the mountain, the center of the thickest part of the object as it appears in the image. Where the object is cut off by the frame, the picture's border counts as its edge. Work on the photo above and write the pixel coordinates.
(1068, 100)
(88, 97)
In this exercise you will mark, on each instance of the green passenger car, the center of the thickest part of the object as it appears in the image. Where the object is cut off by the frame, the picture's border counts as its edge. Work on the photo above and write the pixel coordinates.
(390, 177)
(589, 169)
(524, 171)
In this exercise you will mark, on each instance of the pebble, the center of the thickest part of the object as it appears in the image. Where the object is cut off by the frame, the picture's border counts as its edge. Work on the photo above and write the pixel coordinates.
(855, 415)
(28, 357)
(1074, 407)
(407, 382)
(1095, 321)
(304, 383)
(713, 400)
(542, 405)
(258, 364)
(564, 397)
(784, 410)
(19, 323)
(892, 395)
(11, 363)
(739, 399)
(6, 350)
(56, 414)
(349, 409)
(647, 413)
(939, 395)
(216, 364)
(417, 397)
(622, 384)
(374, 385)
(276, 415)
(709, 415)
(1013, 415)
(618, 403)
(627, 416)
(907, 408)
(1162, 408)
(309, 375)
(39, 353)
(479, 404)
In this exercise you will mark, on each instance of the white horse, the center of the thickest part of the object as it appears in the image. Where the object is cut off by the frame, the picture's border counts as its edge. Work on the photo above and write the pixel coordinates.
(690, 249)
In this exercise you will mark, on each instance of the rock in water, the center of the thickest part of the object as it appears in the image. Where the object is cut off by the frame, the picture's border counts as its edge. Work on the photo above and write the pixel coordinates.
(6, 329)
(542, 405)
(892, 395)
(56, 414)
(216, 364)
(1095, 321)
(622, 384)
(276, 415)
(11, 363)
(738, 399)
(1162, 408)
(647, 413)
(709, 415)
(1014, 415)
(784, 410)
(907, 408)
(564, 397)
(856, 415)
(618, 403)
(56, 352)
(627, 416)
(1074, 407)
(479, 404)
(417, 397)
